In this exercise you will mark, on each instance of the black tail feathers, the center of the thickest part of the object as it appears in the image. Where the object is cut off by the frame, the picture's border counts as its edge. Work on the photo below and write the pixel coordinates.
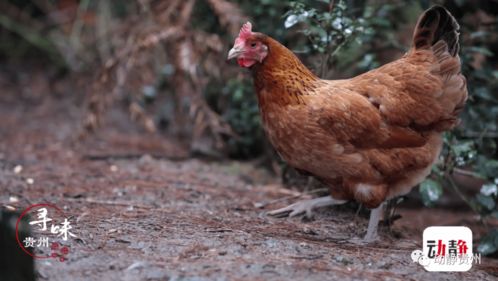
(437, 24)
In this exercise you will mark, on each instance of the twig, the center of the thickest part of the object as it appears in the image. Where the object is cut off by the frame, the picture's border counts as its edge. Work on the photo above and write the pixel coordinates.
(485, 134)
(331, 5)
(310, 257)
(467, 173)
(31, 36)
(100, 157)
(108, 202)
(220, 230)
(461, 195)
(229, 14)
(75, 36)
(263, 205)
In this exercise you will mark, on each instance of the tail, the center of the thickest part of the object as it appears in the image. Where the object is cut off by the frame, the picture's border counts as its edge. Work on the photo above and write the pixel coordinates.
(434, 25)
(437, 30)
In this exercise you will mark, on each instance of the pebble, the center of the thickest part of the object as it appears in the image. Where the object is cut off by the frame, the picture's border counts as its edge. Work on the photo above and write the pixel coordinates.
(18, 169)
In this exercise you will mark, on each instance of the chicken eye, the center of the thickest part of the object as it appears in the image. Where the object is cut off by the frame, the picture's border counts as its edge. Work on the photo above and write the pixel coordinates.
(253, 45)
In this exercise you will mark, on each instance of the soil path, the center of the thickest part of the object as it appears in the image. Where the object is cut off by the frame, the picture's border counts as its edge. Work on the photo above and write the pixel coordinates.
(147, 218)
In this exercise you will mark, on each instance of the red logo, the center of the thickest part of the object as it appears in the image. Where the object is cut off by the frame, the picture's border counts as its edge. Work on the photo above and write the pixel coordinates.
(51, 232)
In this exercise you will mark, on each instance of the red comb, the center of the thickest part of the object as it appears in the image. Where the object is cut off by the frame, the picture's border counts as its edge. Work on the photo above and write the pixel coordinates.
(244, 33)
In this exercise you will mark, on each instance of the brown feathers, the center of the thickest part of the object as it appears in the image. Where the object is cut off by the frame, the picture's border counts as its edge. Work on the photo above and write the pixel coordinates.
(374, 136)
(283, 75)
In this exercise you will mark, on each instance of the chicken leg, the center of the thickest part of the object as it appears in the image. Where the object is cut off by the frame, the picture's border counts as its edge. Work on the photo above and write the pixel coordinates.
(373, 224)
(306, 207)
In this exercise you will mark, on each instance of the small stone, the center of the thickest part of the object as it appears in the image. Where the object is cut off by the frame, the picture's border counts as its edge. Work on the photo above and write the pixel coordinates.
(113, 168)
(258, 205)
(18, 169)
(145, 159)
(309, 231)
(13, 199)
(30, 181)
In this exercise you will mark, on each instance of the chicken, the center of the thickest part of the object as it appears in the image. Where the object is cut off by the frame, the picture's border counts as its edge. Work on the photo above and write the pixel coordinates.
(369, 138)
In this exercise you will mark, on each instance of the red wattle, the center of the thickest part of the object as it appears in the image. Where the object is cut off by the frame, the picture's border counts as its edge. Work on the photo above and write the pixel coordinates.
(245, 62)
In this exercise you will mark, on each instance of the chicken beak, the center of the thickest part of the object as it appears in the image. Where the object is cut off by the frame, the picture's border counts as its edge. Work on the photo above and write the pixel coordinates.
(235, 52)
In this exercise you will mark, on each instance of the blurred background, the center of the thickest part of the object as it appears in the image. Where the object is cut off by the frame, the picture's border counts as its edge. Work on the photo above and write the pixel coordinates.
(149, 76)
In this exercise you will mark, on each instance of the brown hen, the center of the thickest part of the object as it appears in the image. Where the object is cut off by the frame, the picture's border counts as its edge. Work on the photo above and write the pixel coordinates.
(369, 138)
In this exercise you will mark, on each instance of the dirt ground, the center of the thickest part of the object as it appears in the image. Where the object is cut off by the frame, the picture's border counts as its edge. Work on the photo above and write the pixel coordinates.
(142, 213)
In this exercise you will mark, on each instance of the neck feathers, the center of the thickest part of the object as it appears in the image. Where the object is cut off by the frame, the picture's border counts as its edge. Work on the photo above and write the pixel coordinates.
(282, 78)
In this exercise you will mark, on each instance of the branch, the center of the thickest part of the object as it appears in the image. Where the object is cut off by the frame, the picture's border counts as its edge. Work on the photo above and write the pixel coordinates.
(229, 15)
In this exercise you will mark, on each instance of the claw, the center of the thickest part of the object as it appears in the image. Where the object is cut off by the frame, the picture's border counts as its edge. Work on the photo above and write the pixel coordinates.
(291, 211)
(305, 207)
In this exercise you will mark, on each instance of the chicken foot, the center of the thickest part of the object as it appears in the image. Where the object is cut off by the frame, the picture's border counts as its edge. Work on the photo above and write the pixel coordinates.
(305, 207)
(373, 224)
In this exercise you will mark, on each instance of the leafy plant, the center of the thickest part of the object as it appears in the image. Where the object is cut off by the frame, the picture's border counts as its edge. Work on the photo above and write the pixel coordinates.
(328, 30)
(242, 113)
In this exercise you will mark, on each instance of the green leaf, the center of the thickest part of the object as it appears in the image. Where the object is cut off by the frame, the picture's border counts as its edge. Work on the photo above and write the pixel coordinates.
(489, 243)
(486, 167)
(489, 189)
(462, 147)
(495, 214)
(491, 168)
(431, 191)
(484, 93)
(481, 50)
(495, 74)
(486, 201)
(486, 247)
(479, 34)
